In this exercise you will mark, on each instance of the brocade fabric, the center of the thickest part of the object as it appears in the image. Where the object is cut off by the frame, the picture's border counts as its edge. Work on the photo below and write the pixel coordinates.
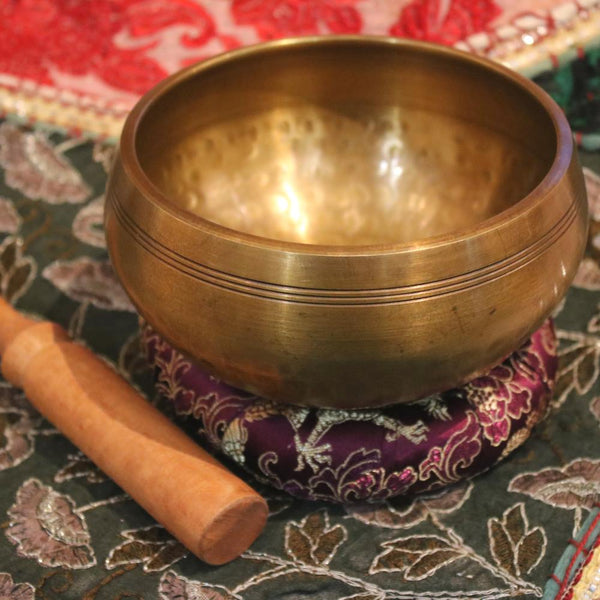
(366, 455)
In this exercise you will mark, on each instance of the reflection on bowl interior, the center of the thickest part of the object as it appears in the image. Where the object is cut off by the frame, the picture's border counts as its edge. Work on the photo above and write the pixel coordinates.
(310, 175)
(282, 160)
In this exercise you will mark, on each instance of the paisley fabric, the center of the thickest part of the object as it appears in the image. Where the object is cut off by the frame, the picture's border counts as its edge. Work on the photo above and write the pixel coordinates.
(575, 86)
(67, 532)
(366, 455)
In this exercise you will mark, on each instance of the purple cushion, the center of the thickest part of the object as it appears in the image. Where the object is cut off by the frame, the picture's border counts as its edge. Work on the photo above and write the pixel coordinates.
(366, 455)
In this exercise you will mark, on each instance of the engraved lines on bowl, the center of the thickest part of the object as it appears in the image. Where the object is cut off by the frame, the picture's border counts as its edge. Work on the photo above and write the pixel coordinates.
(395, 295)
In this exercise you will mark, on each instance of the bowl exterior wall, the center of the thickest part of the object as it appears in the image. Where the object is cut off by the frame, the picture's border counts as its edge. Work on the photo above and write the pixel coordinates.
(388, 341)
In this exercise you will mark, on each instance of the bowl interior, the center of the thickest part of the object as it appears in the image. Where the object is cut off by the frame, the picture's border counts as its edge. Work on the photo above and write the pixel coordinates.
(345, 142)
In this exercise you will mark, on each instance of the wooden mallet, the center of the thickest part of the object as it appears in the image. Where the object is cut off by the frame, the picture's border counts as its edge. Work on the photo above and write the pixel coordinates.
(208, 509)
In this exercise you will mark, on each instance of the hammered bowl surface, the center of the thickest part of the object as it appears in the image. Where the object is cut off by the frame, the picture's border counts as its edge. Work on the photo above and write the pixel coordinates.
(307, 174)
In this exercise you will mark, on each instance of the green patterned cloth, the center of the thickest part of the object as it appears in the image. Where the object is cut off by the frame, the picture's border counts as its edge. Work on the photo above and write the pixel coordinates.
(69, 533)
(576, 88)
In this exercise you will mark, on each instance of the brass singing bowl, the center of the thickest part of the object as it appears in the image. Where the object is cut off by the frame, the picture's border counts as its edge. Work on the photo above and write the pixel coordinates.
(346, 221)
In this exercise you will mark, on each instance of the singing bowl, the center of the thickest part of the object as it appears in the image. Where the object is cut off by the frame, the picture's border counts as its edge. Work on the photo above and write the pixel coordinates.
(346, 221)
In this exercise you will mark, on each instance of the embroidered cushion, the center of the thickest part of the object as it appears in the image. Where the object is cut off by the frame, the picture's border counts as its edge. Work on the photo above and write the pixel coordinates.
(366, 455)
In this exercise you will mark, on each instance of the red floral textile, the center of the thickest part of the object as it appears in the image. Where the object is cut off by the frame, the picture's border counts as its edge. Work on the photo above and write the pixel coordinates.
(99, 56)
(444, 22)
(39, 38)
(286, 18)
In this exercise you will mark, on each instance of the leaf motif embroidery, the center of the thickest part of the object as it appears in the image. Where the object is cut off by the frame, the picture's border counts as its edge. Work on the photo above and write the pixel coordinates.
(313, 540)
(450, 499)
(402, 514)
(88, 225)
(13, 400)
(588, 370)
(9, 590)
(80, 465)
(429, 563)
(416, 557)
(167, 555)
(515, 523)
(177, 587)
(576, 484)
(501, 547)
(531, 550)
(297, 544)
(45, 525)
(16, 438)
(8, 255)
(515, 547)
(10, 221)
(88, 280)
(16, 271)
(151, 546)
(579, 365)
(386, 516)
(38, 169)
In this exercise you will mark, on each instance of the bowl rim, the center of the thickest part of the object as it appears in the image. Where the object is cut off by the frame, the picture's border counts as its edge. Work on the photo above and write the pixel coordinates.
(558, 168)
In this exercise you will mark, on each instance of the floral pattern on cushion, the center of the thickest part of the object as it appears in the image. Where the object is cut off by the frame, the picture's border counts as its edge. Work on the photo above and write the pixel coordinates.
(373, 454)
